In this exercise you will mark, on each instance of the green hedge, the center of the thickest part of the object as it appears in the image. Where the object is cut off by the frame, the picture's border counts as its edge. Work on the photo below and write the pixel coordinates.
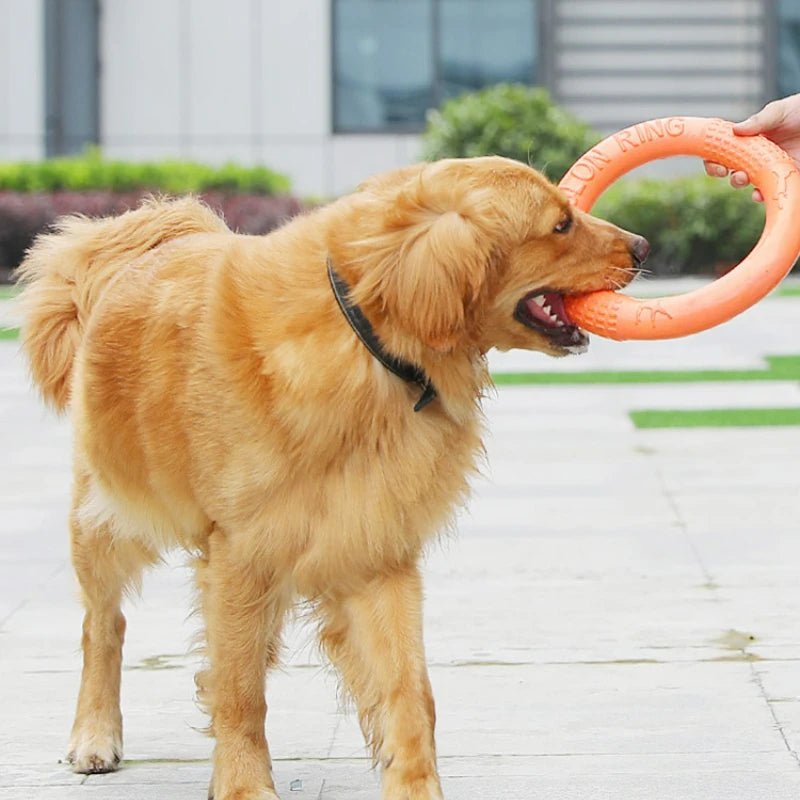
(91, 172)
(694, 224)
(511, 120)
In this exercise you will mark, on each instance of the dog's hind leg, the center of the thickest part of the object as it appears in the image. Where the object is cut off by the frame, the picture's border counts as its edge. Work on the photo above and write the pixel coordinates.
(374, 638)
(244, 609)
(106, 566)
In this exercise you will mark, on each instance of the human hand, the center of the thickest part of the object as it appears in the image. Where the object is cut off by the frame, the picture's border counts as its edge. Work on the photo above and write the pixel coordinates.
(779, 121)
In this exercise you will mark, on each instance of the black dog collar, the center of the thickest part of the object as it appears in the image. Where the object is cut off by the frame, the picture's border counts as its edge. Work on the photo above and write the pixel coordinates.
(363, 329)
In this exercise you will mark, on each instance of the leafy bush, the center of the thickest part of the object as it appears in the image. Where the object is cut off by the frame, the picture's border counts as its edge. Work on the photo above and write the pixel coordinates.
(90, 172)
(694, 224)
(512, 120)
(23, 216)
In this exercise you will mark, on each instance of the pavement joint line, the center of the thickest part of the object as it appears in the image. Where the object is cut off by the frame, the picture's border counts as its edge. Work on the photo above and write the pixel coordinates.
(339, 719)
(629, 662)
(366, 761)
(28, 599)
(602, 753)
(5, 620)
(778, 725)
(620, 662)
(710, 581)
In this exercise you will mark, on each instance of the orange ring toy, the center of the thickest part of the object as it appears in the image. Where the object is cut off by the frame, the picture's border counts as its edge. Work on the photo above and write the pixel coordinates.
(772, 171)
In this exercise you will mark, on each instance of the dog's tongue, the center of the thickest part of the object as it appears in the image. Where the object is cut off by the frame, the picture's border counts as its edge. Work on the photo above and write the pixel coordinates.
(548, 308)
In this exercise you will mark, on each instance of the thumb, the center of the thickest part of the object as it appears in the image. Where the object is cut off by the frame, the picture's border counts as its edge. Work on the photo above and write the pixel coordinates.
(769, 118)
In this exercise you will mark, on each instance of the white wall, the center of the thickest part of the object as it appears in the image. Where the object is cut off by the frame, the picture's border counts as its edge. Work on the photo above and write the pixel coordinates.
(21, 79)
(142, 113)
(244, 80)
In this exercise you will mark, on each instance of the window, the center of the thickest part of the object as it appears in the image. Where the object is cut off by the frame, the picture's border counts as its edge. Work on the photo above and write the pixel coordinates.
(788, 47)
(395, 59)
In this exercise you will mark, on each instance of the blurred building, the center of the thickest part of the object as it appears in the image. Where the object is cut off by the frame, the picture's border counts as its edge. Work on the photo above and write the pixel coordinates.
(330, 91)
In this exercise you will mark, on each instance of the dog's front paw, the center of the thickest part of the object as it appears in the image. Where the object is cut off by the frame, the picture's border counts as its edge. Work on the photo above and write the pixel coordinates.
(95, 751)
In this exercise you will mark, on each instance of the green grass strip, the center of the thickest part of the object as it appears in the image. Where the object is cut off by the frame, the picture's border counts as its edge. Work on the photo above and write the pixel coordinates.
(787, 291)
(9, 333)
(779, 368)
(716, 418)
(7, 292)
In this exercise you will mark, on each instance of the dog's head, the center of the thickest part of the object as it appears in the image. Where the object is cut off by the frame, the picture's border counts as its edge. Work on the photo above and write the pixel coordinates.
(479, 252)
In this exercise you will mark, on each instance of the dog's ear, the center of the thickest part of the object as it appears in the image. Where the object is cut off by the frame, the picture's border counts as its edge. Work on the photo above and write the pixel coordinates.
(428, 232)
(438, 278)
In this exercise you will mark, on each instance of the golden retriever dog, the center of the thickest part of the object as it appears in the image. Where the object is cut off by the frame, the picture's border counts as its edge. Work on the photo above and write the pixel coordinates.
(301, 413)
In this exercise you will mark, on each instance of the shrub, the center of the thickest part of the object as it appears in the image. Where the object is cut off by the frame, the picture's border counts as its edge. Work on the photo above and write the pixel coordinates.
(23, 216)
(694, 224)
(512, 120)
(90, 172)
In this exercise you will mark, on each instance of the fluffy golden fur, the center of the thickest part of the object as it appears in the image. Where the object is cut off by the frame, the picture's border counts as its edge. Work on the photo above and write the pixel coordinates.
(222, 403)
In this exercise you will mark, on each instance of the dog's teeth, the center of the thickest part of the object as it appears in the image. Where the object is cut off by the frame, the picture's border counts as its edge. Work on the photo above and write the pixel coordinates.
(546, 310)
(539, 300)
(559, 322)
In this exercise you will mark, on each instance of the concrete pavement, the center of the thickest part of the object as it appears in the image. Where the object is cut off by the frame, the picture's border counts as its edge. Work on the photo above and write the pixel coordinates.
(619, 616)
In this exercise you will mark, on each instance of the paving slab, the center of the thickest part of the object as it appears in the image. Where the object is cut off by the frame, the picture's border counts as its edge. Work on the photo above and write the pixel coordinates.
(616, 614)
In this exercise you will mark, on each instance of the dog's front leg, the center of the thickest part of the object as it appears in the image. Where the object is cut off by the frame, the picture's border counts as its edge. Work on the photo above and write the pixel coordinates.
(244, 610)
(374, 637)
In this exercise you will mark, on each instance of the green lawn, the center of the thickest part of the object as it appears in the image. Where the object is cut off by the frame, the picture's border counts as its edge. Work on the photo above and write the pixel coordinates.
(779, 368)
(9, 333)
(716, 418)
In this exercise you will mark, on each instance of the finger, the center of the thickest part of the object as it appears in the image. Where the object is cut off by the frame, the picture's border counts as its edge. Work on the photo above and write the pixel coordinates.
(769, 118)
(715, 170)
(739, 180)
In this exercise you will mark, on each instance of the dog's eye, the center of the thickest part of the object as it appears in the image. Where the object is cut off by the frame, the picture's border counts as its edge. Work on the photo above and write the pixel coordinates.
(563, 226)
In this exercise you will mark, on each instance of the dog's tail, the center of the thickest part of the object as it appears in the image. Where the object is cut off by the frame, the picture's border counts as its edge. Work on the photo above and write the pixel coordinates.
(65, 272)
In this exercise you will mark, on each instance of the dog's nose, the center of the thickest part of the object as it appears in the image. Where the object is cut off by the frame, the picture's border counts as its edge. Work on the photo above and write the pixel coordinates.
(639, 248)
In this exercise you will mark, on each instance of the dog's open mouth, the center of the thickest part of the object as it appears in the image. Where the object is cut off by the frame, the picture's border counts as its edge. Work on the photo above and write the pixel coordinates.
(543, 311)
